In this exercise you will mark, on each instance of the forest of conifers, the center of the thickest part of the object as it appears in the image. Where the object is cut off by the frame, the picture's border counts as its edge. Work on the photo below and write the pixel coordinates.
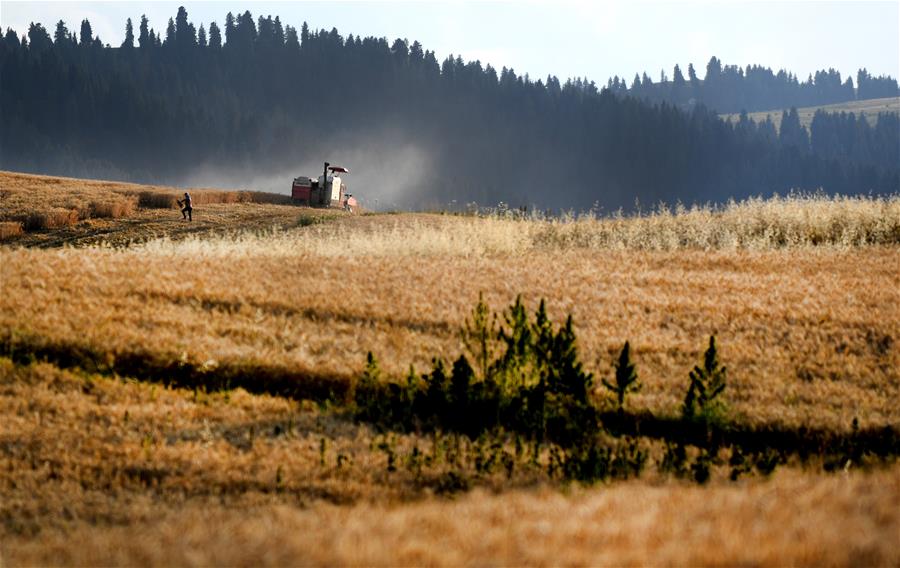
(260, 96)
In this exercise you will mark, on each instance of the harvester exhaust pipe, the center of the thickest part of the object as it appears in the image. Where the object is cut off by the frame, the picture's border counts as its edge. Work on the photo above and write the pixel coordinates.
(325, 170)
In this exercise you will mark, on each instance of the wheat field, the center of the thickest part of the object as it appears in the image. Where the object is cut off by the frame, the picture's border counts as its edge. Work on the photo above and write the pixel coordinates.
(810, 333)
(101, 463)
(35, 202)
(99, 470)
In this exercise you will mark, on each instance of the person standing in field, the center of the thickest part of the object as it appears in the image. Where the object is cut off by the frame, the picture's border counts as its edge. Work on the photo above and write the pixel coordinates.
(186, 209)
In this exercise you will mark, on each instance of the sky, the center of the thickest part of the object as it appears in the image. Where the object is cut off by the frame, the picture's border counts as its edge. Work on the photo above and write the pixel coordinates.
(567, 39)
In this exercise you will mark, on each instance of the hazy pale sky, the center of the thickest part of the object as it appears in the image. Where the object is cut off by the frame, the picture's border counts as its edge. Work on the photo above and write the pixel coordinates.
(568, 38)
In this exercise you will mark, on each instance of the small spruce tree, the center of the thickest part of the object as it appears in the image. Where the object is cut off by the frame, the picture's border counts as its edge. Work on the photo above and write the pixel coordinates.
(479, 335)
(364, 391)
(626, 377)
(707, 383)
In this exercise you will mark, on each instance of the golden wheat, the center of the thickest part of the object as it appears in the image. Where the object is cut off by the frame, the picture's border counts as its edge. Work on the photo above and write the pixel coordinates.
(9, 229)
(809, 334)
(791, 520)
(46, 202)
(98, 470)
(802, 294)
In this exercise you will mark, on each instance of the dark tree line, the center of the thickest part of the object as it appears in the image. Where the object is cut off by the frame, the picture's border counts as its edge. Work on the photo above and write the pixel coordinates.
(258, 95)
(731, 88)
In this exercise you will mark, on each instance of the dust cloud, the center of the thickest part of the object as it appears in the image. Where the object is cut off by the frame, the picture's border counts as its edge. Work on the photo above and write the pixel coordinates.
(387, 170)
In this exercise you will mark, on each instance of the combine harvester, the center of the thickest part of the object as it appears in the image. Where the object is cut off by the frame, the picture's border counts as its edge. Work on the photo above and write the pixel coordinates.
(327, 191)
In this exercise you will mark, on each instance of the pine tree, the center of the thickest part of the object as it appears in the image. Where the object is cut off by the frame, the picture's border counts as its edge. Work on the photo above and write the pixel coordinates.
(215, 36)
(291, 42)
(182, 29)
(87, 36)
(144, 40)
(61, 35)
(566, 374)
(677, 77)
(129, 35)
(304, 34)
(278, 31)
(11, 39)
(201, 36)
(478, 336)
(170, 34)
(707, 383)
(38, 38)
(626, 378)
(791, 133)
(229, 30)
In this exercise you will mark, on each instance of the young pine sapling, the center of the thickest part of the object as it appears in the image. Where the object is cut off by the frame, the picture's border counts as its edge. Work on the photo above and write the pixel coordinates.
(707, 383)
(626, 378)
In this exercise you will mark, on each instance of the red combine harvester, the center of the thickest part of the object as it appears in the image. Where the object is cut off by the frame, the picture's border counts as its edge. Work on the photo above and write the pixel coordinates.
(327, 191)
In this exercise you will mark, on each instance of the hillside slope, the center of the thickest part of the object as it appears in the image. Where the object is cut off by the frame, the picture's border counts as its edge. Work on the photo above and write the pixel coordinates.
(869, 108)
(196, 398)
(48, 211)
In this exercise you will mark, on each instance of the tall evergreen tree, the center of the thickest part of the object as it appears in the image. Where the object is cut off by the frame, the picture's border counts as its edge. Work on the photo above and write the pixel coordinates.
(61, 35)
(144, 40)
(215, 36)
(201, 37)
(291, 41)
(129, 35)
(278, 32)
(304, 33)
(677, 77)
(792, 134)
(183, 39)
(38, 38)
(170, 34)
(86, 37)
(229, 30)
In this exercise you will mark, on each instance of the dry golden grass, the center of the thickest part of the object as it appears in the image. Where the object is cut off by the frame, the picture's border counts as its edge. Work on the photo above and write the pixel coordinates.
(809, 334)
(215, 219)
(104, 471)
(9, 229)
(79, 448)
(802, 294)
(791, 520)
(760, 224)
(46, 202)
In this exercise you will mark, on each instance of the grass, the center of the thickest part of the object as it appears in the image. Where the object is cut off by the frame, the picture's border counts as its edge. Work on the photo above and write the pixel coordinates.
(809, 333)
(869, 108)
(261, 462)
(99, 470)
(40, 203)
(10, 229)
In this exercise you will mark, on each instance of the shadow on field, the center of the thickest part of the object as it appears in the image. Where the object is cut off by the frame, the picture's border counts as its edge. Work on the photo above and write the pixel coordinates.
(340, 392)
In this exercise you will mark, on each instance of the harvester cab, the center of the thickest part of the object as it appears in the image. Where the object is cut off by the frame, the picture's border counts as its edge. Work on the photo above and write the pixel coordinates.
(328, 190)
